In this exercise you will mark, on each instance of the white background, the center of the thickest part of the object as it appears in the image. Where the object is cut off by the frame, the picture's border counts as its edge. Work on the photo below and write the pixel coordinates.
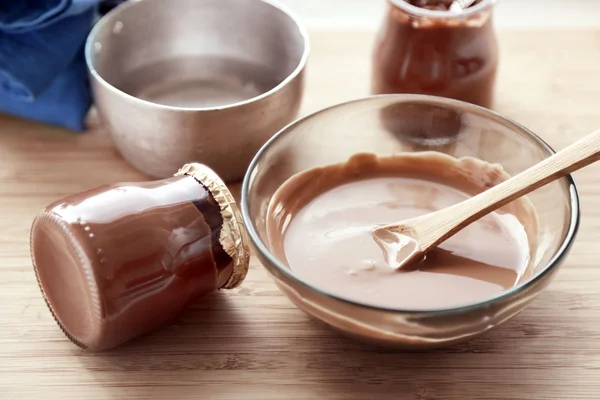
(366, 14)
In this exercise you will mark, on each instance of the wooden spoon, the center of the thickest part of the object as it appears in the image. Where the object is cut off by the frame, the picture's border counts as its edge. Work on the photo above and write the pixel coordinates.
(410, 240)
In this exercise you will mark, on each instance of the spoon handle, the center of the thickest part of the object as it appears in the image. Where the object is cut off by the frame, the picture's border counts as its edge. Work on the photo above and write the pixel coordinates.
(578, 155)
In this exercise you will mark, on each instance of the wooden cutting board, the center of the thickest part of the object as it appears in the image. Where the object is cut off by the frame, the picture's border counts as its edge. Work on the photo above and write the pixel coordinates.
(252, 343)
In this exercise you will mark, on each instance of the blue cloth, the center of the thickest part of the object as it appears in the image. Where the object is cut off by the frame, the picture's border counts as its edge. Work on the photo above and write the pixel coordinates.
(42, 65)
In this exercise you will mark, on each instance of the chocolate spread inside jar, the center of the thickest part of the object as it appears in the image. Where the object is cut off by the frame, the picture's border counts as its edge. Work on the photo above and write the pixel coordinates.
(424, 48)
(120, 260)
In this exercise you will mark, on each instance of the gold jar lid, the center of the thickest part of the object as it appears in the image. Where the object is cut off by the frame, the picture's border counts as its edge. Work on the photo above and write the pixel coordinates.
(234, 237)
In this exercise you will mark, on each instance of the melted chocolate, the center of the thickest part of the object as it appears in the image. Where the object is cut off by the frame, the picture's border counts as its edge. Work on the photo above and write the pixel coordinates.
(321, 221)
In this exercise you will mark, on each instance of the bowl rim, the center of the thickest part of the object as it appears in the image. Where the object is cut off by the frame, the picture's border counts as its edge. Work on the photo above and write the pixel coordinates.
(552, 264)
(113, 15)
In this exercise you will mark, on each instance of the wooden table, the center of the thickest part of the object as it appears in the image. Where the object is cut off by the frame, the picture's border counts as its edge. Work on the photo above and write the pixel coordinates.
(253, 343)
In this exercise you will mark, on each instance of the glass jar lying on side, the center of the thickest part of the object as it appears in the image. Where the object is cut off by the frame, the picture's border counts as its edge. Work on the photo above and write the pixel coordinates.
(121, 260)
(436, 52)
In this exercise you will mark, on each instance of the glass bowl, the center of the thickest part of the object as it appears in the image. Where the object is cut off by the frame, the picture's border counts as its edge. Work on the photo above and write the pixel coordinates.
(386, 125)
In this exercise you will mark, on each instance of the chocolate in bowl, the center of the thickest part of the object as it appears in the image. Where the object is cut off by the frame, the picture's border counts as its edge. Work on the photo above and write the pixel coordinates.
(321, 224)
(334, 135)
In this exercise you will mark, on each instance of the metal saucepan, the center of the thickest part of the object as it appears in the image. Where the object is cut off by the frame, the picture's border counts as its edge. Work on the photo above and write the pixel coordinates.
(196, 80)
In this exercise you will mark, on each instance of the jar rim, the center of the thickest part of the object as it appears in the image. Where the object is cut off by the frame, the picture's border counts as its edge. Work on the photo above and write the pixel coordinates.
(423, 12)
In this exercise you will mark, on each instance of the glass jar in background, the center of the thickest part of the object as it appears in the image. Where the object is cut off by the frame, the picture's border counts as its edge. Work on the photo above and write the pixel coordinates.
(439, 53)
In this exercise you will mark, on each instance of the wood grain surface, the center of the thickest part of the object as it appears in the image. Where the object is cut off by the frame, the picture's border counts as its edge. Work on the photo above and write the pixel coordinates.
(252, 343)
